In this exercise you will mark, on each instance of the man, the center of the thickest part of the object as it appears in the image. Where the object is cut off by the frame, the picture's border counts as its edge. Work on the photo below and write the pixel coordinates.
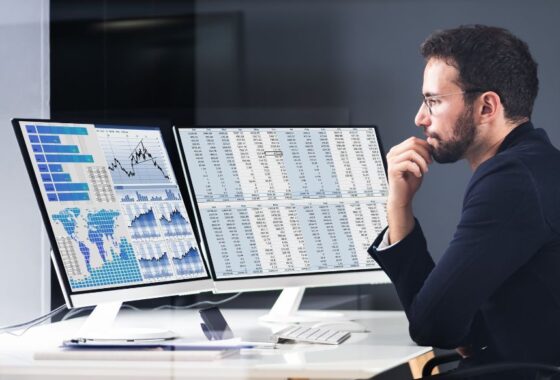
(495, 293)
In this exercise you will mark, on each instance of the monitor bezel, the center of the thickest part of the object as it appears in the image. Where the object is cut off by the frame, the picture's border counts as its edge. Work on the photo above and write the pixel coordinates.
(84, 298)
(278, 281)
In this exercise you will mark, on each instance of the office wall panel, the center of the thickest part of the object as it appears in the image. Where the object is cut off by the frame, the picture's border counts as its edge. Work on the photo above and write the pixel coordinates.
(24, 75)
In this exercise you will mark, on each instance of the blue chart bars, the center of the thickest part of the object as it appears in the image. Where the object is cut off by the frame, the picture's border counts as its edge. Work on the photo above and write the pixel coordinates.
(147, 194)
(113, 204)
(49, 152)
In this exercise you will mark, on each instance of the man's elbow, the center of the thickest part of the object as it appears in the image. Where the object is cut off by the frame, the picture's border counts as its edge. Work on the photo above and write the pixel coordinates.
(435, 335)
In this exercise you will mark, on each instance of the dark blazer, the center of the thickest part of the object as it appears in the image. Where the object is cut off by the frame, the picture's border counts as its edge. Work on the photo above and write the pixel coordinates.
(497, 286)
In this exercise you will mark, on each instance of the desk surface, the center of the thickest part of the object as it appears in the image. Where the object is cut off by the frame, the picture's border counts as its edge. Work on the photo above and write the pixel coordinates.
(362, 356)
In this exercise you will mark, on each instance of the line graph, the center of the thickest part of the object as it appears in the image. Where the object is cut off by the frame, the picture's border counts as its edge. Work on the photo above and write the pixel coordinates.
(143, 222)
(186, 258)
(154, 260)
(135, 156)
(140, 155)
(174, 219)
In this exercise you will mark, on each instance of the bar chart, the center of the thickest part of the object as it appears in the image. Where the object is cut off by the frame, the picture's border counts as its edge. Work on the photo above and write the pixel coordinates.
(53, 147)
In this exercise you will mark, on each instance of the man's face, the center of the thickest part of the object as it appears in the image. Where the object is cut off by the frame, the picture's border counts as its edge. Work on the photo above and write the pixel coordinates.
(450, 129)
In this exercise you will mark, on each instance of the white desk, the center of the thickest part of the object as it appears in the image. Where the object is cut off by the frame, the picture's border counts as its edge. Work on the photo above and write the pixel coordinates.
(362, 356)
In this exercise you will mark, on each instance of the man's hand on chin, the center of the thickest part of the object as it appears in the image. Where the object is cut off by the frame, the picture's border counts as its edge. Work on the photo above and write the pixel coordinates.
(407, 164)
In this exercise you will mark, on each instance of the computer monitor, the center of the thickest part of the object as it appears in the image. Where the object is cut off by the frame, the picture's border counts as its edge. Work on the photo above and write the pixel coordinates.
(286, 207)
(114, 213)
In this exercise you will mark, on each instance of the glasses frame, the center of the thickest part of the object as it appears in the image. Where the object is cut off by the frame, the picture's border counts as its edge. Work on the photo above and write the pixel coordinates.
(426, 99)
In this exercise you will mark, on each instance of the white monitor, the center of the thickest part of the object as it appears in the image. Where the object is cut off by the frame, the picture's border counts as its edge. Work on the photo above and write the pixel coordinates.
(286, 207)
(114, 213)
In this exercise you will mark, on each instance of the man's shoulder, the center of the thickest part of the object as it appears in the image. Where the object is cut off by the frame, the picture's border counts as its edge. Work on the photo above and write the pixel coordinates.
(522, 168)
(526, 157)
(505, 173)
(508, 163)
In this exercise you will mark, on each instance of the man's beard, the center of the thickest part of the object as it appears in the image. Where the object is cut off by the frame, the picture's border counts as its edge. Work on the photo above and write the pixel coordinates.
(464, 133)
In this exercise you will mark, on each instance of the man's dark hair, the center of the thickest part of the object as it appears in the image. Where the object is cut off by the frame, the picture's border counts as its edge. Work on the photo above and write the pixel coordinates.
(490, 59)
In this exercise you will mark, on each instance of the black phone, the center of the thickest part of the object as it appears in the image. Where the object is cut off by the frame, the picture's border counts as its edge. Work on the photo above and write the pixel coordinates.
(215, 326)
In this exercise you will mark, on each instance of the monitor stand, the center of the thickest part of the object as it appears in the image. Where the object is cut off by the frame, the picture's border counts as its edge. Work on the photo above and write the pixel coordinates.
(99, 326)
(285, 310)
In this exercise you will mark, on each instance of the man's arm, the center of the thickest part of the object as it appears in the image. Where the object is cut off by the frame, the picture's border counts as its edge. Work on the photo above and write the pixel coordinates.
(501, 227)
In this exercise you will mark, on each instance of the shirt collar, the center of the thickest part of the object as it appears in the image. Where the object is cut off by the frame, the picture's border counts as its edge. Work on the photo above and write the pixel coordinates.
(515, 135)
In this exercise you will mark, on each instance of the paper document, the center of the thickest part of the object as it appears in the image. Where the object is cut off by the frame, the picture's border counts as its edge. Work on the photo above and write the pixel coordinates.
(164, 345)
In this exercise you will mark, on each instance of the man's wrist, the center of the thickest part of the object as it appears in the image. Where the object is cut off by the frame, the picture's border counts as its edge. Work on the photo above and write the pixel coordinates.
(401, 222)
(396, 201)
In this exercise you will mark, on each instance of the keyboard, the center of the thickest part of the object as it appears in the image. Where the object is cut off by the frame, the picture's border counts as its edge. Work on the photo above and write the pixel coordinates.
(307, 334)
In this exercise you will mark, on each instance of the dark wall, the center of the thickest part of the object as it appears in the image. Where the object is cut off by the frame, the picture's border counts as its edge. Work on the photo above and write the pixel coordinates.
(118, 59)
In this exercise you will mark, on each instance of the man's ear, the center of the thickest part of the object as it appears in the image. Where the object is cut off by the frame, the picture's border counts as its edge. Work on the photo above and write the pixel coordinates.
(489, 106)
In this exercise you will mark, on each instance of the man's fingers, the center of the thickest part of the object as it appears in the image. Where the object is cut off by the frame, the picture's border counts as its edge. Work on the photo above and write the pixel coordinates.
(415, 157)
(413, 143)
(407, 167)
(410, 156)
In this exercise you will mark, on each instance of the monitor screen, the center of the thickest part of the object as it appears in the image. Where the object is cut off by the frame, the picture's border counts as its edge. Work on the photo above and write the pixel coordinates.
(287, 206)
(113, 210)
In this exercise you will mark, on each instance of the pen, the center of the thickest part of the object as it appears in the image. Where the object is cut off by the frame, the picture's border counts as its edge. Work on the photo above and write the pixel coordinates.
(260, 344)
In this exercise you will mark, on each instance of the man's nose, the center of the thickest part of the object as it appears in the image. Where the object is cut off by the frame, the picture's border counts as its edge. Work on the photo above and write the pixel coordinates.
(422, 118)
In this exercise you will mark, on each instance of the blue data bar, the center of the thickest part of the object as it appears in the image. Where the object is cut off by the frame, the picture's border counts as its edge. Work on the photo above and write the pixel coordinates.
(49, 187)
(60, 149)
(75, 158)
(47, 139)
(30, 129)
(73, 197)
(46, 177)
(43, 168)
(71, 186)
(47, 129)
(36, 148)
(55, 168)
(52, 197)
(34, 138)
(40, 158)
(64, 177)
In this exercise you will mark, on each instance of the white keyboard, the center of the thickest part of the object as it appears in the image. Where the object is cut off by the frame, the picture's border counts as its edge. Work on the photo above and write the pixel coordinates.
(307, 334)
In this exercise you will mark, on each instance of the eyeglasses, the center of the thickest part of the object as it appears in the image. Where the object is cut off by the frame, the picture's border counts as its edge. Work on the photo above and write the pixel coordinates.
(431, 101)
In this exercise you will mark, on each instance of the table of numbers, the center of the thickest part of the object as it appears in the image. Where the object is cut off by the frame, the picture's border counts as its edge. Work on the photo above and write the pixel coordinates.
(287, 200)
